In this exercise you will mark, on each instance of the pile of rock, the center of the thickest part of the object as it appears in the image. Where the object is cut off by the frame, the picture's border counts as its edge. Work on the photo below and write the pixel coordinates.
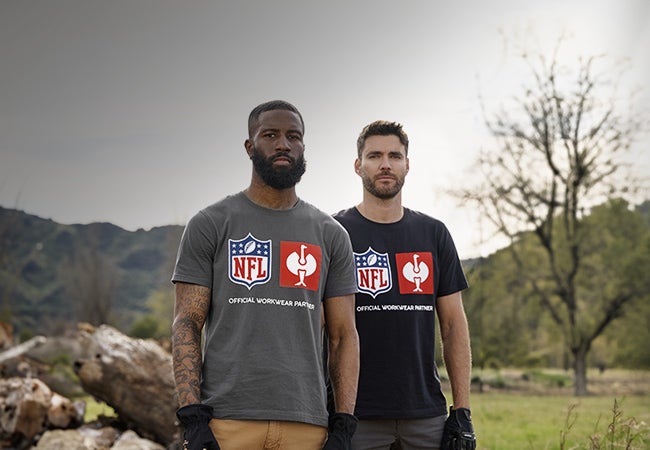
(133, 376)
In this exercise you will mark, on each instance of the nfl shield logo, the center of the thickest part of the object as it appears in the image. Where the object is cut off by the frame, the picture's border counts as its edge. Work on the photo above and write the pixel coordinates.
(249, 261)
(373, 272)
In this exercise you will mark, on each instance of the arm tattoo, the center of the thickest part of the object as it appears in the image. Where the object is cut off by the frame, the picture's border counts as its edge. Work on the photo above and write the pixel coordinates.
(192, 303)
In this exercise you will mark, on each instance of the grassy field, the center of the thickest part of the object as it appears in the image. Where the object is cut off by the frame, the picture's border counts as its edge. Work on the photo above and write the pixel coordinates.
(537, 411)
(531, 410)
(516, 422)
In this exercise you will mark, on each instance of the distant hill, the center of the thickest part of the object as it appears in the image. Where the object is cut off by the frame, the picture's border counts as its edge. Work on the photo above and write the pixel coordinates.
(45, 267)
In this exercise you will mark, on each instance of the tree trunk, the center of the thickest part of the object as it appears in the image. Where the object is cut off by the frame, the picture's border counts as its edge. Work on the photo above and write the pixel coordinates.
(580, 371)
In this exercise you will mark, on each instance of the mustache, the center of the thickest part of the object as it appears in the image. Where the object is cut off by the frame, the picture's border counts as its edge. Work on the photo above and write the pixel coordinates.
(285, 155)
(386, 173)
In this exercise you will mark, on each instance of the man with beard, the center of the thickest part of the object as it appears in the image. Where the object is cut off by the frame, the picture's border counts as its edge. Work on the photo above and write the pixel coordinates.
(407, 272)
(260, 272)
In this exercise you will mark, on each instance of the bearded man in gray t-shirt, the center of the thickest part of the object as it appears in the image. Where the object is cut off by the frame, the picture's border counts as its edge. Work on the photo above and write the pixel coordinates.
(262, 272)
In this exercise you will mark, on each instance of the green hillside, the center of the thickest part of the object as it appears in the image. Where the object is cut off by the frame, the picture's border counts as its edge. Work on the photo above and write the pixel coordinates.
(53, 275)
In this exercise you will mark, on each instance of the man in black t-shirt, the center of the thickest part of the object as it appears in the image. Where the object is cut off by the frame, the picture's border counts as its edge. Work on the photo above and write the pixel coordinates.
(408, 273)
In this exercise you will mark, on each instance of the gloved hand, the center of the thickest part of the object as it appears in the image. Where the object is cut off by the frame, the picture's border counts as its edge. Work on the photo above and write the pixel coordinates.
(340, 430)
(197, 435)
(458, 433)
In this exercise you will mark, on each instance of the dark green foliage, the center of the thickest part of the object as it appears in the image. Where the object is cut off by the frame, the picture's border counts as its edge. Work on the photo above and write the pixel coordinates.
(509, 325)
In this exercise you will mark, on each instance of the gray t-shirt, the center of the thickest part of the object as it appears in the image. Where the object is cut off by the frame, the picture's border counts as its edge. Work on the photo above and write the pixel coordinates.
(269, 271)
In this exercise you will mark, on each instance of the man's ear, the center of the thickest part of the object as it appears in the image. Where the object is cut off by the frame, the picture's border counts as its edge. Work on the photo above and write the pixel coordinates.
(248, 145)
(357, 166)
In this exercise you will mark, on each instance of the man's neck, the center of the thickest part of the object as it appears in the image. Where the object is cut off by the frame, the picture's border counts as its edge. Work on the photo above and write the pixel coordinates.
(268, 197)
(381, 210)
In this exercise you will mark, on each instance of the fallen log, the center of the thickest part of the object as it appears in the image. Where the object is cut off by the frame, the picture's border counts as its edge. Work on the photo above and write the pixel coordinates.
(135, 378)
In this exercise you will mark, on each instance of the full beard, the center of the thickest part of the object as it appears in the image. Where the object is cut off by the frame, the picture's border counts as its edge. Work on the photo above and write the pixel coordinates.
(278, 177)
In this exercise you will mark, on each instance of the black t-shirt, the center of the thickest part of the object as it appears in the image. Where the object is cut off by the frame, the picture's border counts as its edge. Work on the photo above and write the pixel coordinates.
(401, 269)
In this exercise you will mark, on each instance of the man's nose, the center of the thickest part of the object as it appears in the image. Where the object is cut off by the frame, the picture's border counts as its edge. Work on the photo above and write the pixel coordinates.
(384, 163)
(282, 143)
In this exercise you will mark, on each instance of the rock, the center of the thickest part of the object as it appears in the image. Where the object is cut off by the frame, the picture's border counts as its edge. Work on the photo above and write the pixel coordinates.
(29, 407)
(6, 335)
(135, 378)
(66, 439)
(46, 358)
(129, 440)
(104, 437)
(24, 403)
(21, 349)
(62, 413)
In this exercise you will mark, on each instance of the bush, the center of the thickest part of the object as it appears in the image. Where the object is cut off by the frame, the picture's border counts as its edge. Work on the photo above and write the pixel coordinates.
(621, 432)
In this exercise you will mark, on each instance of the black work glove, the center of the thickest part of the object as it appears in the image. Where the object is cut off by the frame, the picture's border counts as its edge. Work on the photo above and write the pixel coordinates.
(458, 433)
(197, 435)
(340, 430)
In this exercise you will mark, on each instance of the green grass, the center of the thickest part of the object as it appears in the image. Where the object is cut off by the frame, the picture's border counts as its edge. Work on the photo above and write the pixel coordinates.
(520, 422)
(96, 408)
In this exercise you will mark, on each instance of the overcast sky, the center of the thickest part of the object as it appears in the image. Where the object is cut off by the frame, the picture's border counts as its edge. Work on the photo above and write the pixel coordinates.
(134, 111)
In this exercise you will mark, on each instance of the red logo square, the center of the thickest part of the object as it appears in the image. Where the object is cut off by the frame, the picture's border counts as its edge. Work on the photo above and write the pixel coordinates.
(300, 265)
(415, 272)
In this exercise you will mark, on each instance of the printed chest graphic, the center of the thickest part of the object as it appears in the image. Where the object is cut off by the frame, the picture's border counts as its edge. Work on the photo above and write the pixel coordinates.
(250, 261)
(372, 272)
(300, 265)
(414, 272)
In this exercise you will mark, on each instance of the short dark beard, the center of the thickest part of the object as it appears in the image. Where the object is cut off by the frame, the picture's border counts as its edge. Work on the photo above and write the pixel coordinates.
(278, 178)
(386, 193)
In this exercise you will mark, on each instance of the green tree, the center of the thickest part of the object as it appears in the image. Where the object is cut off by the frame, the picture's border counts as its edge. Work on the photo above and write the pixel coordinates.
(156, 323)
(615, 282)
(558, 153)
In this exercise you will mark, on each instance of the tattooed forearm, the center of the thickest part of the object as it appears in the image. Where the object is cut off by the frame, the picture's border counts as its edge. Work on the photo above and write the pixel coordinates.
(192, 303)
(186, 354)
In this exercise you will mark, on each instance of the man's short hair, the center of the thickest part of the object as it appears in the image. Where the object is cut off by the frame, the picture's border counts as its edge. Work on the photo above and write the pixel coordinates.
(382, 128)
(254, 116)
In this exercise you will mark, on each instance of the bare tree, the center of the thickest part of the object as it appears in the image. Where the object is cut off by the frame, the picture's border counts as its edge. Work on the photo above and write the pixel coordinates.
(9, 232)
(91, 282)
(558, 153)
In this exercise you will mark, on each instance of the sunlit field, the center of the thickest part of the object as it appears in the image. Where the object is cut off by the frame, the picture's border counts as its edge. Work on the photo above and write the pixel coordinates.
(536, 410)
(516, 422)
(542, 413)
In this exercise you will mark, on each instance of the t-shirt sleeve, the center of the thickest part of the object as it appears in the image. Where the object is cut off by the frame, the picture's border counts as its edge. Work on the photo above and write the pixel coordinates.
(452, 277)
(194, 261)
(340, 277)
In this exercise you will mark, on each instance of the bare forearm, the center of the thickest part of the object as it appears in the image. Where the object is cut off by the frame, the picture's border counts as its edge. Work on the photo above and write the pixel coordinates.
(458, 361)
(344, 371)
